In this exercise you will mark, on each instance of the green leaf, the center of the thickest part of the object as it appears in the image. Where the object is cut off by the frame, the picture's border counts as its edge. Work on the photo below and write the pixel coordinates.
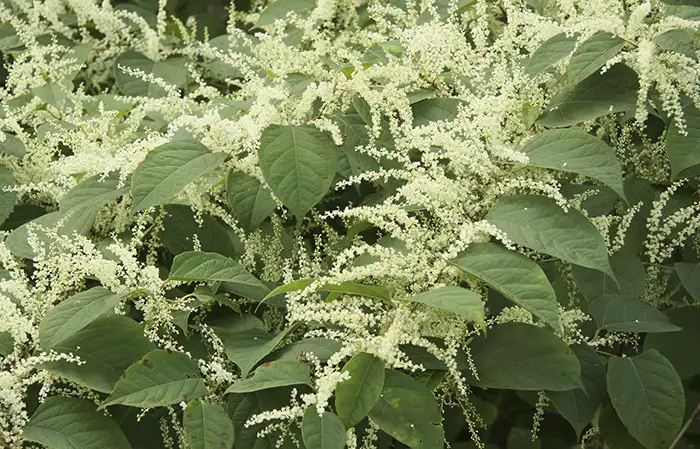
(355, 397)
(539, 223)
(247, 347)
(322, 432)
(597, 96)
(579, 406)
(628, 270)
(321, 348)
(648, 397)
(354, 129)
(575, 151)
(159, 378)
(435, 109)
(107, 346)
(7, 199)
(74, 313)
(249, 200)
(280, 8)
(180, 227)
(7, 343)
(69, 423)
(167, 169)
(172, 71)
(627, 314)
(615, 433)
(91, 192)
(294, 286)
(517, 356)
(458, 300)
(298, 163)
(18, 244)
(280, 373)
(515, 276)
(683, 151)
(207, 426)
(591, 55)
(13, 146)
(408, 411)
(689, 273)
(550, 52)
(346, 288)
(240, 408)
(679, 40)
(199, 266)
(680, 348)
(362, 108)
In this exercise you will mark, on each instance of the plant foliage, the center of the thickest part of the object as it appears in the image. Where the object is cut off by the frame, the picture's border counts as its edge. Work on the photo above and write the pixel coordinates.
(328, 224)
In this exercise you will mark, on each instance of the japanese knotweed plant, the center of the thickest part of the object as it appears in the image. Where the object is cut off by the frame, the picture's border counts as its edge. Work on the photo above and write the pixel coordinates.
(349, 223)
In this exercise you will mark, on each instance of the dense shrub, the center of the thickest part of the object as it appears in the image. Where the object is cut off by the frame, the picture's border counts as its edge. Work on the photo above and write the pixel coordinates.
(349, 223)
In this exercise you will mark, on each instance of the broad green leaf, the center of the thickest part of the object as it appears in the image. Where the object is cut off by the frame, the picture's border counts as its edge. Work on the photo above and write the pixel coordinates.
(517, 356)
(520, 438)
(294, 286)
(180, 226)
(355, 397)
(279, 373)
(458, 300)
(69, 423)
(683, 151)
(91, 192)
(614, 433)
(249, 200)
(354, 130)
(689, 273)
(7, 343)
(648, 397)
(207, 426)
(408, 411)
(576, 151)
(540, 223)
(550, 52)
(7, 199)
(74, 313)
(591, 55)
(679, 40)
(247, 347)
(435, 109)
(240, 408)
(322, 432)
(13, 146)
(627, 314)
(298, 163)
(515, 276)
(199, 266)
(680, 348)
(431, 378)
(579, 406)
(279, 9)
(172, 71)
(167, 169)
(597, 96)
(107, 346)
(362, 108)
(321, 348)
(628, 270)
(159, 378)
(18, 244)
(346, 288)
